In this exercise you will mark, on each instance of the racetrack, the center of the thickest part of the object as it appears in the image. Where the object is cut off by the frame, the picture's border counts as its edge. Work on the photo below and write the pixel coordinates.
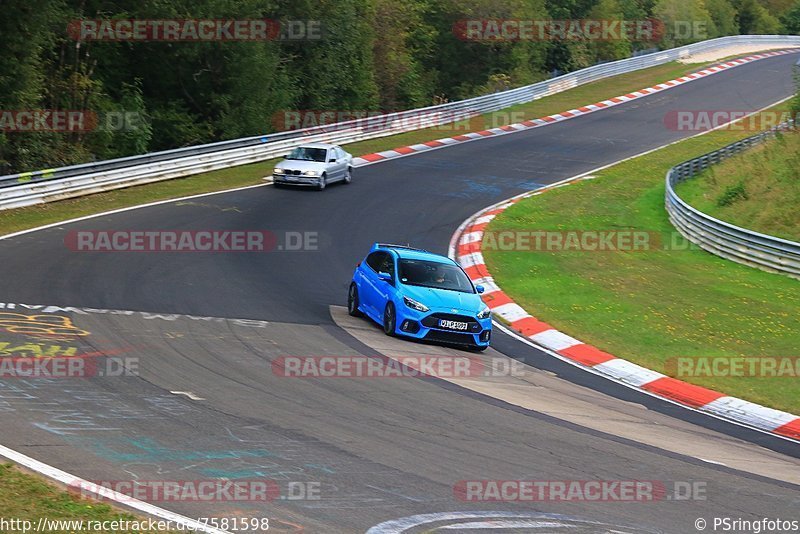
(381, 449)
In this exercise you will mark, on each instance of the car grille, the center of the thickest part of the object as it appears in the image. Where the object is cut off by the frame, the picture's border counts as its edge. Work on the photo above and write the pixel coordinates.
(450, 337)
(432, 321)
(293, 173)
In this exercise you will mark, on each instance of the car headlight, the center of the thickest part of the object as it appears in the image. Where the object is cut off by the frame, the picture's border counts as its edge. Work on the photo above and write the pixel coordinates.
(278, 171)
(310, 173)
(411, 303)
(485, 313)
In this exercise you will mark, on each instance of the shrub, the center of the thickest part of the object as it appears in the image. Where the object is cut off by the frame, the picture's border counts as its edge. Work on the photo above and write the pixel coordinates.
(732, 194)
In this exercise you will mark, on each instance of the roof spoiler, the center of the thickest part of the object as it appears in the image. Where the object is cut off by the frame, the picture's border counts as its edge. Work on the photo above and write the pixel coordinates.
(402, 247)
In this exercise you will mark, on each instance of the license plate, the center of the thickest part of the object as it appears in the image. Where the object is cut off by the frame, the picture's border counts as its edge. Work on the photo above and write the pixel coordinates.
(452, 325)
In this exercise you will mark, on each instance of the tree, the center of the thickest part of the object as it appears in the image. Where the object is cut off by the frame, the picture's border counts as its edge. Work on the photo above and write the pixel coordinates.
(27, 30)
(753, 19)
(464, 66)
(402, 40)
(685, 21)
(335, 72)
(724, 16)
(791, 20)
(618, 46)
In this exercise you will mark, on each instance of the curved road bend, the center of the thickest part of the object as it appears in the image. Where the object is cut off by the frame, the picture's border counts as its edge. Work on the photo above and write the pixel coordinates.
(378, 449)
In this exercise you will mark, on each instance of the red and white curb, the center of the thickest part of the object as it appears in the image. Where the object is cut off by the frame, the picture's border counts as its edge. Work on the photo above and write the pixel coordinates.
(368, 159)
(566, 346)
(465, 247)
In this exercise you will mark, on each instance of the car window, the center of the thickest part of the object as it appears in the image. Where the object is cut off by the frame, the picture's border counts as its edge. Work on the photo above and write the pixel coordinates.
(434, 274)
(340, 154)
(387, 265)
(304, 153)
(375, 260)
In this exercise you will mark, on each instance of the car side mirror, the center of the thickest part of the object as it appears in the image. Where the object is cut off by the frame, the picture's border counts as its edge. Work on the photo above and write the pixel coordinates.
(332, 160)
(480, 289)
(386, 277)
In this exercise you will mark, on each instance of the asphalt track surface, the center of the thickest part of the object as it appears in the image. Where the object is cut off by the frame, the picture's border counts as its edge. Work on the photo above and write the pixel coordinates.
(379, 449)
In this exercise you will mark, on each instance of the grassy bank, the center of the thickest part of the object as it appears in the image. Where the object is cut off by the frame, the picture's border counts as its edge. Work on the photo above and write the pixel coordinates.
(26, 497)
(20, 219)
(649, 306)
(758, 189)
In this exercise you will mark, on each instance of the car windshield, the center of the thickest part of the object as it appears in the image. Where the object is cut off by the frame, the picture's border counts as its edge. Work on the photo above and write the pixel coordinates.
(305, 153)
(434, 274)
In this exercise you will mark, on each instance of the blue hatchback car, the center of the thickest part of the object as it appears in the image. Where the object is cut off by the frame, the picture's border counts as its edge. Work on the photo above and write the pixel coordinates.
(415, 293)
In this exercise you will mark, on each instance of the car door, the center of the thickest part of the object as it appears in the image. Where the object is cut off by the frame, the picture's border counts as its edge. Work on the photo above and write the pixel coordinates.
(340, 166)
(332, 165)
(383, 290)
(344, 158)
(368, 289)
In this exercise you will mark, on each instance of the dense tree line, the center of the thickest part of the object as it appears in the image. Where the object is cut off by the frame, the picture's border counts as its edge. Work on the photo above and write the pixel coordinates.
(373, 55)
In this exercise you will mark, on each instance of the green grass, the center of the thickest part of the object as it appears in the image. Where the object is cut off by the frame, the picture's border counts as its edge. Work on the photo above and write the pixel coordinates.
(30, 217)
(650, 306)
(28, 497)
(758, 189)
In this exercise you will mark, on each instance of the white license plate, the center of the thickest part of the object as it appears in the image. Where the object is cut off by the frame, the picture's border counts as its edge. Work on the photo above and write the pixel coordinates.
(452, 325)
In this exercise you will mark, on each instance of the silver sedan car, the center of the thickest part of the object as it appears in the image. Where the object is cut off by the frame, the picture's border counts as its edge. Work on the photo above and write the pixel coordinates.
(315, 165)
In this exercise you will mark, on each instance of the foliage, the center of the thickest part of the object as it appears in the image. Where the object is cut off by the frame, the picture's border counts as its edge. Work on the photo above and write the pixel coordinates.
(373, 55)
(791, 19)
(732, 194)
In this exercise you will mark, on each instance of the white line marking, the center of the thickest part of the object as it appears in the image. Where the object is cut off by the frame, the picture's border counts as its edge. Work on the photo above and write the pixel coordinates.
(711, 461)
(106, 493)
(46, 469)
(130, 208)
(448, 141)
(187, 394)
(407, 524)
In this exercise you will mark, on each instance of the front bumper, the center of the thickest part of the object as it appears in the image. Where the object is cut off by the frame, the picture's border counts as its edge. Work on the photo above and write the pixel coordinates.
(426, 326)
(291, 179)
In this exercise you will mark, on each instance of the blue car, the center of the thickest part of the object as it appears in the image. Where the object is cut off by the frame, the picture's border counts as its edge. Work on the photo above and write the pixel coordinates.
(418, 294)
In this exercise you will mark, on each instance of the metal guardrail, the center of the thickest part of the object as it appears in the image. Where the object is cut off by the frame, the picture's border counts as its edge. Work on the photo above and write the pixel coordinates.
(48, 185)
(724, 239)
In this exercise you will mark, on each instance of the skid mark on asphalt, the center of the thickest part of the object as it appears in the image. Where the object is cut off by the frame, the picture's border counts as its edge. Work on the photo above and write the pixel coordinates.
(134, 428)
(208, 205)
